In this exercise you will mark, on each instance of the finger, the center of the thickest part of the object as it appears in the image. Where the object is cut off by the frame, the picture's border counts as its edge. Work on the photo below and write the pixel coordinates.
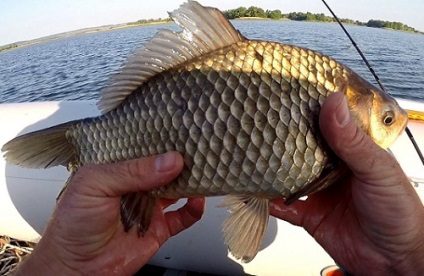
(186, 216)
(293, 213)
(380, 177)
(165, 203)
(352, 145)
(143, 174)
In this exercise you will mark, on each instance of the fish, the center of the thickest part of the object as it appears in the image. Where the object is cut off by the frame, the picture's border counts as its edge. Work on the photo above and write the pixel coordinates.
(243, 113)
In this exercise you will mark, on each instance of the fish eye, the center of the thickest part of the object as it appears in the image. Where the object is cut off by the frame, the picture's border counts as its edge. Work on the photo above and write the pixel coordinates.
(389, 118)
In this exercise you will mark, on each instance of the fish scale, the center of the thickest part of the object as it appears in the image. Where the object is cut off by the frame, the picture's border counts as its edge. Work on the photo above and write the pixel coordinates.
(243, 113)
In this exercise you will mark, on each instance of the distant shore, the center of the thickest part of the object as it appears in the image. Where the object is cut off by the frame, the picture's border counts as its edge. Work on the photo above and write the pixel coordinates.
(143, 22)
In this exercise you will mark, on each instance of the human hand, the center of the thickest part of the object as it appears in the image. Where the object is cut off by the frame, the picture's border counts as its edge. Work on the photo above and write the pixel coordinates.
(85, 234)
(373, 221)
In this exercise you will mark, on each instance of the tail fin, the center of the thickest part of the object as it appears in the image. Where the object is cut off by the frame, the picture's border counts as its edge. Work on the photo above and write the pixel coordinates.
(41, 149)
(137, 210)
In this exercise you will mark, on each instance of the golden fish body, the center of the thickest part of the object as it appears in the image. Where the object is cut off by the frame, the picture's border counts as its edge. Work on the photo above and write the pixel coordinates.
(244, 117)
(243, 113)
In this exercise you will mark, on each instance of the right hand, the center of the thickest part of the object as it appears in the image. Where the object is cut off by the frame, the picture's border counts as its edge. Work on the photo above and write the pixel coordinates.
(372, 223)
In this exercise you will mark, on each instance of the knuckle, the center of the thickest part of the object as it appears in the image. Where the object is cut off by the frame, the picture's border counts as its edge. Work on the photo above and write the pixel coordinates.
(138, 168)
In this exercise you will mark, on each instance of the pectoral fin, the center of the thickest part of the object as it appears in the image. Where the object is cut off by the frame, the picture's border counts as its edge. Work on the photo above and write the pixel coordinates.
(72, 168)
(329, 176)
(245, 228)
(137, 210)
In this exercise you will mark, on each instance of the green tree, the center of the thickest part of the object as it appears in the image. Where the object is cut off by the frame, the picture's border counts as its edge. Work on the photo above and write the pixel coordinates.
(275, 14)
(389, 24)
(255, 12)
(298, 16)
(235, 13)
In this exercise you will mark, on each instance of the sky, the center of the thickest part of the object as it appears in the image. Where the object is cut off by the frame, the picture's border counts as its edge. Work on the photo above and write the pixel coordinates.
(29, 19)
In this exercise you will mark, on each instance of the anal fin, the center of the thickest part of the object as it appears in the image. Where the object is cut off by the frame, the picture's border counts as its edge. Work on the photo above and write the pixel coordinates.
(137, 210)
(245, 228)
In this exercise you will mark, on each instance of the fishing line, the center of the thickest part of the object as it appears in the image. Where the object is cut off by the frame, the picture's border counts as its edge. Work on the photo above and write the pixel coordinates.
(408, 132)
(411, 137)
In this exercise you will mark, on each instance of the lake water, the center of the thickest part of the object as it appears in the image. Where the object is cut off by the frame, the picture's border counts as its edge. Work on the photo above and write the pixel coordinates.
(78, 67)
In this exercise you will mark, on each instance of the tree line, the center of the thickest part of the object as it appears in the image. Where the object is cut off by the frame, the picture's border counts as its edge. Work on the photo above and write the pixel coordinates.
(301, 16)
(390, 25)
(149, 21)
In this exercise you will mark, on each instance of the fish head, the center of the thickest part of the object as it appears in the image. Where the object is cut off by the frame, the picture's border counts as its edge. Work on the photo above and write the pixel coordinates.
(379, 115)
(388, 119)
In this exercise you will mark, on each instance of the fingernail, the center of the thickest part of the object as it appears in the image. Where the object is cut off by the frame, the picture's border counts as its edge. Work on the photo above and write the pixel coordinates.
(342, 113)
(165, 162)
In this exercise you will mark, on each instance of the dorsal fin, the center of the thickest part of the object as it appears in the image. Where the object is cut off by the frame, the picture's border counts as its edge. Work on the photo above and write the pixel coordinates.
(204, 29)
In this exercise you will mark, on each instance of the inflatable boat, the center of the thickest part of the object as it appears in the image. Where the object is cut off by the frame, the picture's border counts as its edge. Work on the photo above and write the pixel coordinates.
(27, 198)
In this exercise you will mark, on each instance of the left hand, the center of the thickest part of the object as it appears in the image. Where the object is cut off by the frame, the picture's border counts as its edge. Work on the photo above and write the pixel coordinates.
(85, 234)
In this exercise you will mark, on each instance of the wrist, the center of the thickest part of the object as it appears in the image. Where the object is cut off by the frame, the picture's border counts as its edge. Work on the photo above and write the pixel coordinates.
(413, 263)
(44, 261)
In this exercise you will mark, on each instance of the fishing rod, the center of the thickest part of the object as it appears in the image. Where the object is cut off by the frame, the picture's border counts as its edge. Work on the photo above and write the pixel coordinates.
(408, 132)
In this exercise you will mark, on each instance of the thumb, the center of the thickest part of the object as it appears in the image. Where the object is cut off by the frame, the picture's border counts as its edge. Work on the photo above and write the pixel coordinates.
(368, 161)
(143, 174)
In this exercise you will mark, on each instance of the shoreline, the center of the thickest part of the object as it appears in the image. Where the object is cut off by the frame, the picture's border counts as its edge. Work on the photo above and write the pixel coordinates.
(90, 30)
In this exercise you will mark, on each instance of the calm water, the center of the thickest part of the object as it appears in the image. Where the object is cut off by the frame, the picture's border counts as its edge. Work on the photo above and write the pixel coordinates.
(78, 67)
